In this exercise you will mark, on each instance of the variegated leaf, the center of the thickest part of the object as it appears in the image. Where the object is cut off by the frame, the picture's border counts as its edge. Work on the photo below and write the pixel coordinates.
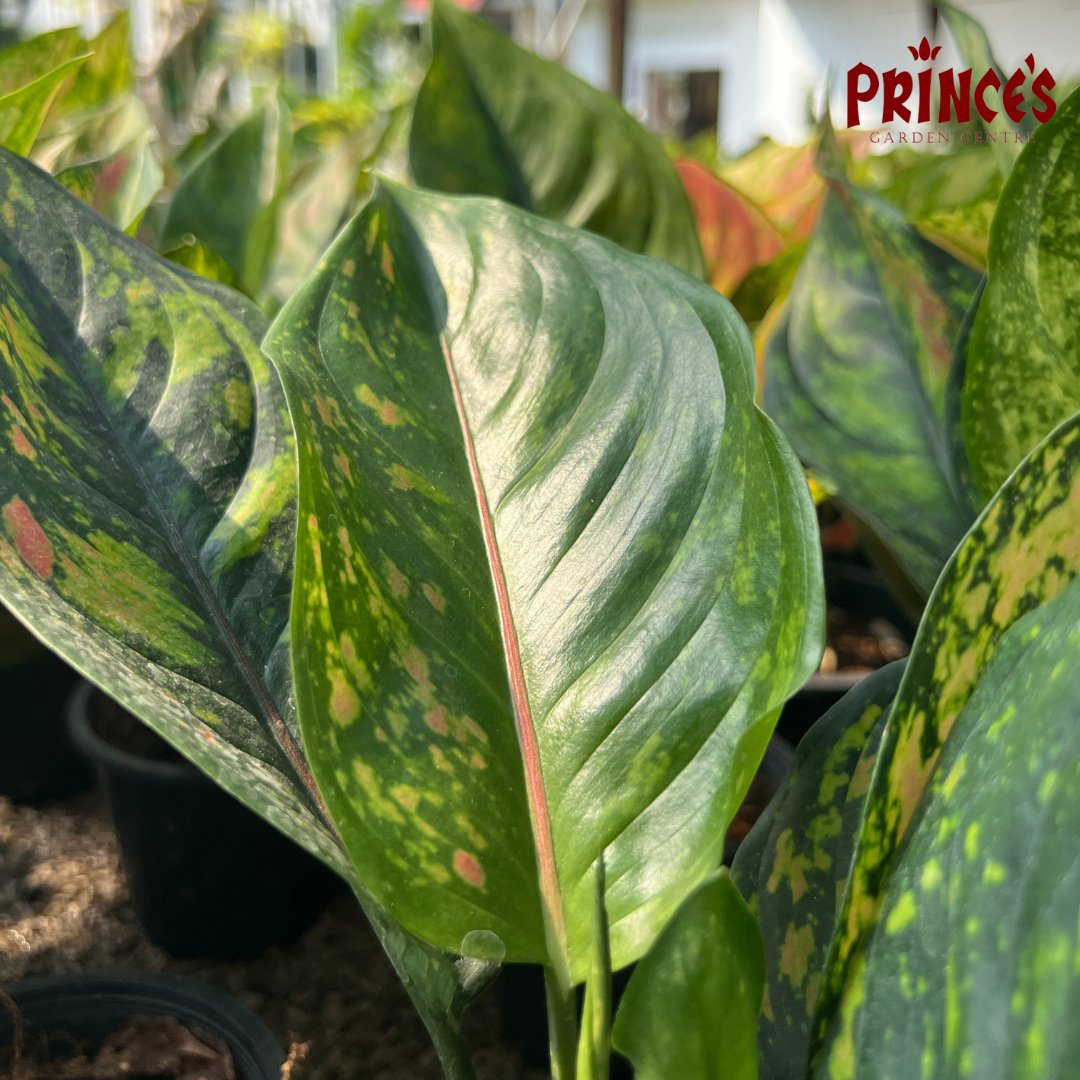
(556, 572)
(736, 235)
(495, 119)
(1022, 552)
(1023, 358)
(793, 866)
(970, 967)
(147, 513)
(856, 370)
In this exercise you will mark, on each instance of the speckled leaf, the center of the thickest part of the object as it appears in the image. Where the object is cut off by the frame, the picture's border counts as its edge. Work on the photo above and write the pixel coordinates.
(971, 967)
(494, 119)
(1023, 551)
(1023, 360)
(228, 200)
(23, 111)
(855, 374)
(793, 866)
(556, 572)
(689, 1010)
(147, 522)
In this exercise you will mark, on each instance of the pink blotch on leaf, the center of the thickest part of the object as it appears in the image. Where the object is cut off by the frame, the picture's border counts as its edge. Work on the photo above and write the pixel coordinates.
(22, 444)
(434, 597)
(388, 414)
(436, 720)
(34, 546)
(468, 869)
(398, 585)
(415, 663)
(324, 412)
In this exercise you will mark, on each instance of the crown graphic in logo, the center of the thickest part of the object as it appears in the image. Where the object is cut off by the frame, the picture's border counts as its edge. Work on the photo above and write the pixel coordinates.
(922, 51)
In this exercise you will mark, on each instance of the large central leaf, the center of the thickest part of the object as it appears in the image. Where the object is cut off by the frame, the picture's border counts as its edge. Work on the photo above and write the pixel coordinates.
(555, 571)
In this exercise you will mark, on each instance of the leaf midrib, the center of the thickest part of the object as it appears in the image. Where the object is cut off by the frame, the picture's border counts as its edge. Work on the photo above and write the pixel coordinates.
(550, 890)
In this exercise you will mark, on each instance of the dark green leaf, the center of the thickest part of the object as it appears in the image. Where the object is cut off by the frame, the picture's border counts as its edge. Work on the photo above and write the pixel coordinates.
(855, 374)
(969, 968)
(1023, 359)
(1022, 552)
(692, 1002)
(494, 119)
(556, 572)
(147, 520)
(228, 201)
(793, 866)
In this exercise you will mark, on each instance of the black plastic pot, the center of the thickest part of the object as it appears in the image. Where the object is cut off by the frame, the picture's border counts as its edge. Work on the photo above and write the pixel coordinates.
(37, 759)
(207, 876)
(78, 1012)
(862, 591)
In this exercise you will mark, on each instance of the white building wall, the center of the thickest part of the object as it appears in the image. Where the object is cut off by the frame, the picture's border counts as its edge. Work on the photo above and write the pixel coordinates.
(775, 56)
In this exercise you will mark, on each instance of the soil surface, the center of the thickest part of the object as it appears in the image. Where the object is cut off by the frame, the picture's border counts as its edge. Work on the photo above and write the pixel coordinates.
(331, 995)
(856, 644)
(142, 1048)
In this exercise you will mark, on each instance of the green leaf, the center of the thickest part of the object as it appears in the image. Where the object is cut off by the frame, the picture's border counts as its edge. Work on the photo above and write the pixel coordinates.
(147, 512)
(108, 74)
(856, 370)
(494, 119)
(318, 202)
(969, 968)
(689, 1010)
(975, 51)
(538, 510)
(1023, 359)
(228, 201)
(594, 1045)
(1022, 552)
(23, 111)
(793, 866)
(26, 61)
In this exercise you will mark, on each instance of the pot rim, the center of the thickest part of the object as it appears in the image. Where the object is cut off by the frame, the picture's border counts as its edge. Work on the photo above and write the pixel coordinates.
(257, 1051)
(105, 754)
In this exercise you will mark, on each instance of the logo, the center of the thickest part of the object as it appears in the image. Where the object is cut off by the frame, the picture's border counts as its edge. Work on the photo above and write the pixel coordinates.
(911, 97)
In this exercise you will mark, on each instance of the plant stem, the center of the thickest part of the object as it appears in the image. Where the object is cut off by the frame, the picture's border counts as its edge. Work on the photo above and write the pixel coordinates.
(562, 1023)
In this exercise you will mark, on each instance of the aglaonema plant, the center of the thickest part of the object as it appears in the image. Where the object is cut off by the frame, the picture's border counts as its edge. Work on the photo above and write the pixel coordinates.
(487, 590)
(915, 879)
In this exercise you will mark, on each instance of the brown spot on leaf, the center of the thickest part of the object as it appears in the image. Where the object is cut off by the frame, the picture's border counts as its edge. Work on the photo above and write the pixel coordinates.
(434, 597)
(436, 720)
(30, 539)
(468, 869)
